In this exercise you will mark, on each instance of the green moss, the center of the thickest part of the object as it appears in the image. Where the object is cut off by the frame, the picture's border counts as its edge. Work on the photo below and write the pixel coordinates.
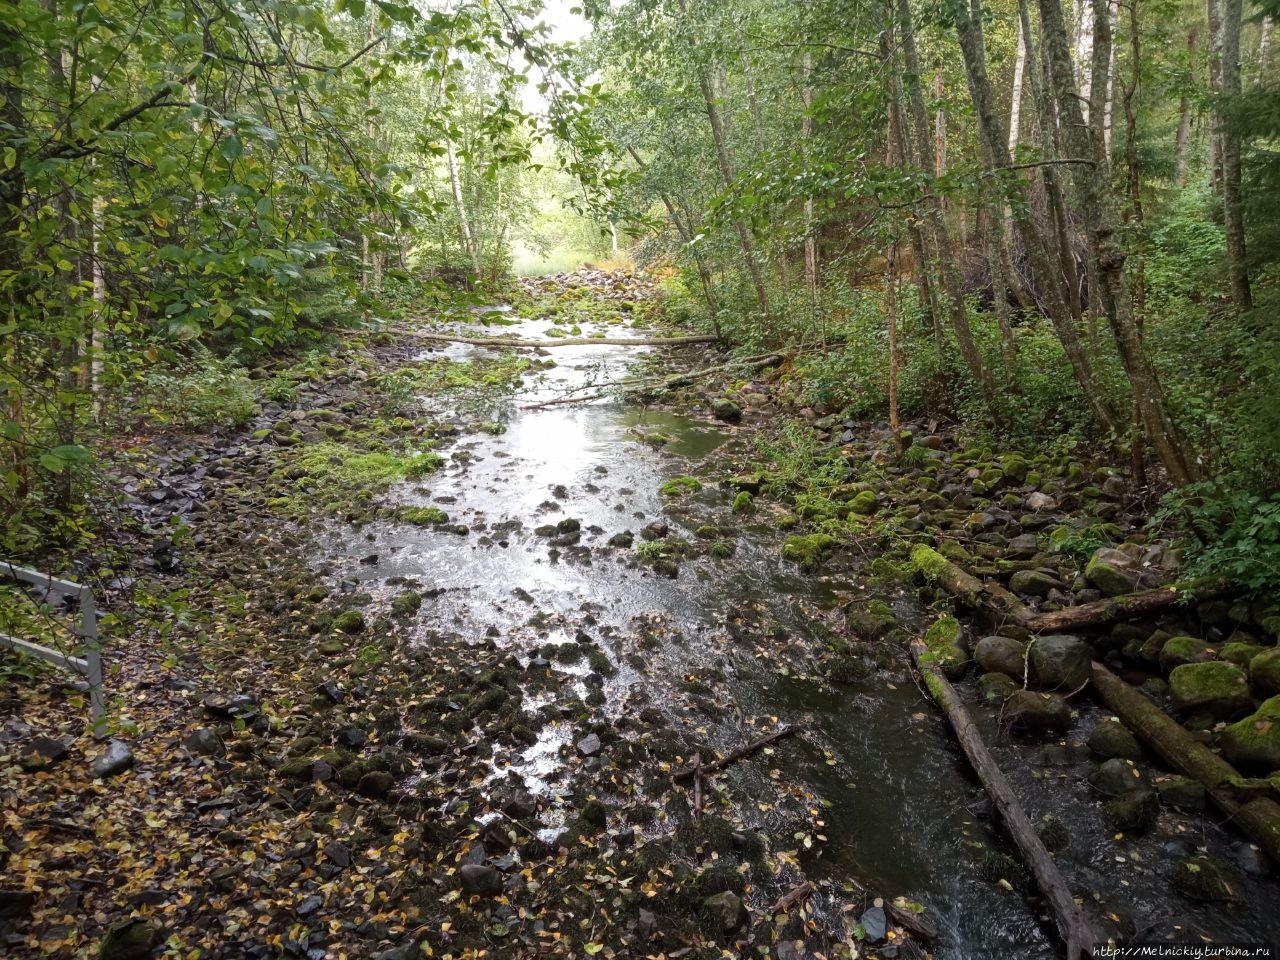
(807, 550)
(929, 562)
(812, 506)
(707, 532)
(422, 516)
(788, 521)
(349, 621)
(864, 504)
(744, 503)
(680, 486)
(406, 604)
(723, 549)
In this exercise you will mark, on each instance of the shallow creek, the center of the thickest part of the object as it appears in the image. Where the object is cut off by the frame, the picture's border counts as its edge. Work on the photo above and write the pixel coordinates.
(902, 814)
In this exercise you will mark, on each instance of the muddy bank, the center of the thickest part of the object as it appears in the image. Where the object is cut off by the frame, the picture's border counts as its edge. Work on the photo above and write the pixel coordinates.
(442, 648)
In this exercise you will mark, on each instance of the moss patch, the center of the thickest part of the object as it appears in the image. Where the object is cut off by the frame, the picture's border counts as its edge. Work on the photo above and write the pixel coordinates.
(808, 550)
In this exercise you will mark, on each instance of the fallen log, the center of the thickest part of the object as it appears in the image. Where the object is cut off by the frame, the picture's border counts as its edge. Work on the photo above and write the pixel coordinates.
(706, 769)
(913, 923)
(794, 897)
(1258, 817)
(981, 595)
(1070, 919)
(519, 343)
(1103, 613)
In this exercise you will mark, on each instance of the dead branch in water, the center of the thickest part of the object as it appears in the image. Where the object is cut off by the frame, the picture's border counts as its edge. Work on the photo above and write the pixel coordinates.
(706, 769)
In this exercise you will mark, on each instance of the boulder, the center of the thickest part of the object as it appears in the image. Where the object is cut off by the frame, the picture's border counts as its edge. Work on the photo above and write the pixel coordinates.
(1254, 742)
(480, 880)
(1060, 662)
(1038, 713)
(1208, 878)
(117, 758)
(1041, 503)
(1001, 655)
(375, 784)
(203, 742)
(1034, 583)
(726, 410)
(40, 753)
(130, 940)
(724, 912)
(1181, 792)
(1241, 653)
(1135, 812)
(996, 686)
(1179, 650)
(1116, 777)
(1217, 688)
(588, 746)
(1264, 671)
(1112, 571)
(1111, 739)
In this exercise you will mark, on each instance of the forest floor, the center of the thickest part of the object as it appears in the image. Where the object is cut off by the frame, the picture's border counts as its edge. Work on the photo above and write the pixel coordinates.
(333, 752)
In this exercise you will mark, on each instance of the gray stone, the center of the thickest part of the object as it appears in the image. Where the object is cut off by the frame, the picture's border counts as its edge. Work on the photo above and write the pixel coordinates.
(203, 742)
(1038, 713)
(1116, 777)
(16, 904)
(131, 940)
(725, 912)
(480, 880)
(1208, 878)
(375, 784)
(117, 758)
(41, 752)
(1112, 571)
(1060, 662)
(874, 924)
(726, 410)
(996, 686)
(1041, 503)
(1022, 547)
(1001, 655)
(589, 745)
(1034, 583)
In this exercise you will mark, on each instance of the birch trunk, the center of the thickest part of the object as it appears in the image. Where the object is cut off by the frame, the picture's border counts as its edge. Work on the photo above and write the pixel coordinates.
(810, 241)
(1214, 10)
(1229, 140)
(1182, 145)
(1085, 23)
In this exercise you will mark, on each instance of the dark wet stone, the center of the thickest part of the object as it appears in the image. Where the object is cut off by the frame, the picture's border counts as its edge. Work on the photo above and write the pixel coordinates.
(623, 540)
(41, 752)
(353, 738)
(1134, 812)
(117, 758)
(203, 742)
(656, 530)
(131, 940)
(480, 880)
(874, 924)
(1208, 878)
(375, 784)
(1250, 858)
(1112, 571)
(16, 904)
(1116, 777)
(1111, 739)
(1001, 655)
(726, 410)
(725, 912)
(333, 691)
(1034, 583)
(1181, 792)
(1038, 713)
(1060, 662)
(339, 854)
(310, 905)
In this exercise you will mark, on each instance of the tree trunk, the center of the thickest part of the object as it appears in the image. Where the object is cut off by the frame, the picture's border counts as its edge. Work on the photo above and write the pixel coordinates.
(939, 126)
(1104, 253)
(1085, 25)
(1264, 49)
(973, 48)
(1182, 151)
(1015, 100)
(1214, 11)
(810, 241)
(1229, 144)
(891, 308)
(1108, 84)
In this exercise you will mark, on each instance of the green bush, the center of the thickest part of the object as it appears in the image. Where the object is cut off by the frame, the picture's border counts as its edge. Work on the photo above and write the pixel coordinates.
(216, 393)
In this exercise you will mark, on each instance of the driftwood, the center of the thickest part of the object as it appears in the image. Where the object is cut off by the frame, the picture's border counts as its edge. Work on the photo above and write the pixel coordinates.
(793, 898)
(699, 769)
(566, 341)
(1103, 613)
(1067, 913)
(1255, 814)
(913, 923)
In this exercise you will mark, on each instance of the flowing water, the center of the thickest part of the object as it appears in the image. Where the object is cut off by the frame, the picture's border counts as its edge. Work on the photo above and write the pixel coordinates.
(902, 815)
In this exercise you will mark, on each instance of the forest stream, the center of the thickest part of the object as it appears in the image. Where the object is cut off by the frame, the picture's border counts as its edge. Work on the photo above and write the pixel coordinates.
(725, 649)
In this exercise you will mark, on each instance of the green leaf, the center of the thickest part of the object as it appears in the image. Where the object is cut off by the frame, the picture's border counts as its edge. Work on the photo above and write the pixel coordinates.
(72, 453)
(231, 148)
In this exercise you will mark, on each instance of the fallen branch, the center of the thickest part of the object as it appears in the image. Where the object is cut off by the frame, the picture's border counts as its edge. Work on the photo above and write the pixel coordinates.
(565, 341)
(659, 386)
(1067, 913)
(704, 770)
(796, 896)
(1257, 816)
(913, 923)
(1104, 613)
(697, 785)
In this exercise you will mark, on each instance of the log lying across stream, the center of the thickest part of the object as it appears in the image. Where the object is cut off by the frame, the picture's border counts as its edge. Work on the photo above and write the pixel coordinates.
(1067, 914)
(518, 343)
(1257, 816)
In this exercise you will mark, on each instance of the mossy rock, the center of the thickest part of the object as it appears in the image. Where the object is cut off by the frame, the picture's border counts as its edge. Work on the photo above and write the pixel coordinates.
(407, 603)
(1179, 650)
(349, 621)
(680, 486)
(1254, 742)
(1217, 688)
(422, 516)
(131, 940)
(1241, 653)
(1264, 671)
(723, 550)
(1208, 878)
(744, 503)
(864, 504)
(945, 640)
(808, 550)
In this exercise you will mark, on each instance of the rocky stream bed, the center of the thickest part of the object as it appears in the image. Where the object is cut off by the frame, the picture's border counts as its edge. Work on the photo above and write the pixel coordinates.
(420, 664)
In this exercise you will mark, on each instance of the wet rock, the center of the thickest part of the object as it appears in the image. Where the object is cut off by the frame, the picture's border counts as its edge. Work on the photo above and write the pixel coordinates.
(655, 531)
(203, 742)
(1112, 571)
(588, 746)
(874, 924)
(16, 904)
(1041, 503)
(40, 753)
(353, 738)
(1241, 653)
(1034, 583)
(1038, 713)
(1254, 742)
(1111, 739)
(1134, 812)
(724, 912)
(1022, 547)
(726, 410)
(1060, 662)
(1264, 670)
(479, 880)
(1001, 655)
(1250, 858)
(1208, 878)
(117, 758)
(375, 784)
(623, 540)
(1217, 688)
(1116, 778)
(1181, 792)
(131, 940)
(996, 687)
(1179, 650)
(349, 622)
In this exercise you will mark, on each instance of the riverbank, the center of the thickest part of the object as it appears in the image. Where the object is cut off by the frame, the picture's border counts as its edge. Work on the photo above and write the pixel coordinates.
(422, 652)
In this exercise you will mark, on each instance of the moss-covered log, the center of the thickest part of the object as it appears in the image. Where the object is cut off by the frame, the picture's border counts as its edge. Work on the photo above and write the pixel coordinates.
(1257, 816)
(1103, 613)
(1070, 919)
(980, 595)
